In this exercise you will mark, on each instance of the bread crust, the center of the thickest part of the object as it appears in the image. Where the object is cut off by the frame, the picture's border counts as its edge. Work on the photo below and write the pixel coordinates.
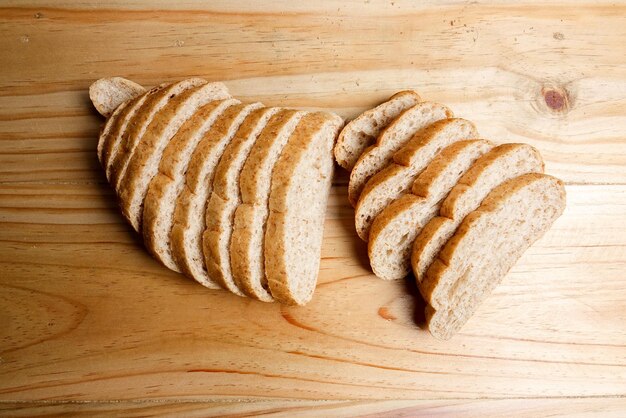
(310, 151)
(391, 139)
(362, 131)
(510, 219)
(408, 162)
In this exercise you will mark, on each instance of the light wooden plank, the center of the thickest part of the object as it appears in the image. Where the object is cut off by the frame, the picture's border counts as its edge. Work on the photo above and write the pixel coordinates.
(88, 315)
(530, 408)
(494, 64)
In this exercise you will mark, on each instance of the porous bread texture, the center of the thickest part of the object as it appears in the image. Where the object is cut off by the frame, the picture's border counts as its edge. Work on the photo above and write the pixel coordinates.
(362, 131)
(408, 162)
(396, 227)
(300, 187)
(486, 245)
(144, 164)
(107, 94)
(112, 138)
(246, 246)
(105, 132)
(138, 124)
(189, 220)
(390, 140)
(167, 184)
(502, 163)
(225, 198)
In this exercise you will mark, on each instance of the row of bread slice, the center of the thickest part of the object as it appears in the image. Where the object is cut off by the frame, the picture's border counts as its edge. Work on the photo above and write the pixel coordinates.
(427, 193)
(231, 194)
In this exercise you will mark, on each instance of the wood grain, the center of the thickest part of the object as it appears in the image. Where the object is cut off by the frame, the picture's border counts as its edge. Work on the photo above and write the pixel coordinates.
(90, 324)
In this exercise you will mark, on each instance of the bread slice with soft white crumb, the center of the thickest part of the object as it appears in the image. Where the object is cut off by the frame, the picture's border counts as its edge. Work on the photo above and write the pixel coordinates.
(139, 123)
(246, 245)
(395, 228)
(363, 130)
(144, 163)
(114, 132)
(486, 245)
(189, 221)
(408, 162)
(225, 198)
(391, 139)
(107, 94)
(168, 183)
(300, 187)
(502, 163)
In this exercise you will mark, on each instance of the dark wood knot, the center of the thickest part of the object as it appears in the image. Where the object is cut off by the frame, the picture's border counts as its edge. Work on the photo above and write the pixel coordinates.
(556, 98)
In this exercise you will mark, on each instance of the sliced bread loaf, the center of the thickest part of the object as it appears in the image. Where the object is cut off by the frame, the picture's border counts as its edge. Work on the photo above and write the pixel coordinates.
(300, 187)
(140, 121)
(487, 244)
(225, 197)
(246, 246)
(390, 140)
(111, 138)
(408, 162)
(395, 228)
(144, 163)
(189, 220)
(167, 184)
(107, 94)
(502, 163)
(362, 131)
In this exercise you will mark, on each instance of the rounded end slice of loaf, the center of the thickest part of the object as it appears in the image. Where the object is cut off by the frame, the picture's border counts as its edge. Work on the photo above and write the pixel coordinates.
(107, 94)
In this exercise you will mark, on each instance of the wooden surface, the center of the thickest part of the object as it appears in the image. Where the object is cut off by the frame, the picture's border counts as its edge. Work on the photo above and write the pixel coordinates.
(90, 324)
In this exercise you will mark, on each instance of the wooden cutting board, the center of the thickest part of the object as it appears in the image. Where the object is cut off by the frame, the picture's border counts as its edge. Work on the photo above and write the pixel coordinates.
(90, 324)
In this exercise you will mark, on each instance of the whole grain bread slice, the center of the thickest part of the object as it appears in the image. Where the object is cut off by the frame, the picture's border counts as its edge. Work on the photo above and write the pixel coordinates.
(391, 139)
(502, 163)
(138, 124)
(107, 94)
(396, 227)
(144, 163)
(115, 129)
(408, 162)
(362, 131)
(225, 197)
(167, 184)
(189, 219)
(486, 245)
(300, 187)
(246, 246)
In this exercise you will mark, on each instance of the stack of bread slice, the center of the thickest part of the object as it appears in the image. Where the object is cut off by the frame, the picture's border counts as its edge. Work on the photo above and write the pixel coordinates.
(231, 194)
(431, 196)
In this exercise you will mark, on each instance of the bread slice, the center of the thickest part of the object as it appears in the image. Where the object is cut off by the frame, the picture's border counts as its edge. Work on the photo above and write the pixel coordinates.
(487, 244)
(246, 246)
(115, 129)
(502, 163)
(300, 187)
(167, 184)
(144, 163)
(408, 162)
(107, 94)
(395, 228)
(225, 197)
(139, 123)
(390, 140)
(362, 131)
(189, 220)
